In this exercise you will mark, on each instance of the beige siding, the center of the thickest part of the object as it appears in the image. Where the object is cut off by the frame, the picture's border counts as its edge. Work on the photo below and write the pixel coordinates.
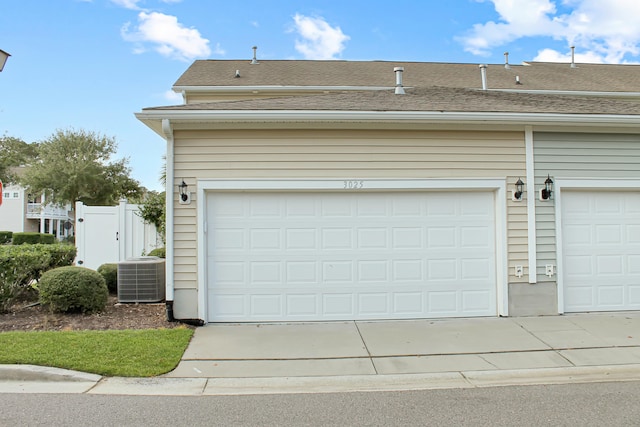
(576, 156)
(345, 154)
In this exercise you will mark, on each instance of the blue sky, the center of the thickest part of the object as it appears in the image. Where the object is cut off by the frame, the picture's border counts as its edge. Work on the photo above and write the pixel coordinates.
(91, 64)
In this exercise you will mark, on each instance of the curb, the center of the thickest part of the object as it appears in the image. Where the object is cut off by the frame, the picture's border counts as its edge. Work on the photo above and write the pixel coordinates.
(44, 374)
(425, 381)
(37, 379)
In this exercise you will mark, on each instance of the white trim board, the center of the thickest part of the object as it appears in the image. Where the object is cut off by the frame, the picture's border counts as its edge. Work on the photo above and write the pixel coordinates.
(498, 186)
(531, 205)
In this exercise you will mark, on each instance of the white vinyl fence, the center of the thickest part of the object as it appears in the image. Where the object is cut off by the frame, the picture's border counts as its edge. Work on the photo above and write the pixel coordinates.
(110, 234)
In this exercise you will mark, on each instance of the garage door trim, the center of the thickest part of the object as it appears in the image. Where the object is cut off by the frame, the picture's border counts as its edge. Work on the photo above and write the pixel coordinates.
(560, 184)
(498, 186)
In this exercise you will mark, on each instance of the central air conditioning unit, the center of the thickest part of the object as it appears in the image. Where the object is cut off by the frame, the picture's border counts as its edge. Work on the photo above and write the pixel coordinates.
(141, 279)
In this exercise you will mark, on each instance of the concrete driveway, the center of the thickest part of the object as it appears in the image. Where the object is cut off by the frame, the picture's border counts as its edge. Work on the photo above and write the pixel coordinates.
(410, 346)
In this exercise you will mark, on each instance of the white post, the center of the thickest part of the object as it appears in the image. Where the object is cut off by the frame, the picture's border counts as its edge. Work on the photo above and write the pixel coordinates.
(122, 230)
(80, 246)
(42, 218)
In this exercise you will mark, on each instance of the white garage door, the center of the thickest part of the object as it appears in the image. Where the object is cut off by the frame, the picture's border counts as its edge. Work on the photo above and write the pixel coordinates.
(288, 256)
(601, 251)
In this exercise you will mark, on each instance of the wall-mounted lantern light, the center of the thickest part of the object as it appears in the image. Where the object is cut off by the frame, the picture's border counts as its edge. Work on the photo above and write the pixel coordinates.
(517, 193)
(545, 193)
(3, 58)
(185, 195)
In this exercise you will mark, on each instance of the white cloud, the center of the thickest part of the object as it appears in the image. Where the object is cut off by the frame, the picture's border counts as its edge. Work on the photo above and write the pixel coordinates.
(551, 55)
(606, 32)
(219, 50)
(173, 97)
(167, 36)
(318, 39)
(127, 4)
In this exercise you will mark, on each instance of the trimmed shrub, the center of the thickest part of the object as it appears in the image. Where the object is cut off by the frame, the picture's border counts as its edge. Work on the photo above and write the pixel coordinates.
(27, 262)
(73, 289)
(47, 239)
(110, 274)
(24, 264)
(5, 237)
(159, 252)
(31, 238)
(60, 255)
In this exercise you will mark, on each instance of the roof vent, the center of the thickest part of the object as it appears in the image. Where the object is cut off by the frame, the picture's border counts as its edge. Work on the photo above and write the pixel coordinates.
(255, 59)
(237, 73)
(399, 88)
(573, 57)
(506, 60)
(483, 74)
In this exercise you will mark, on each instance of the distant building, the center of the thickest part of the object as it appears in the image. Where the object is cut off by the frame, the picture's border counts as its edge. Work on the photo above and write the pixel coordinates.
(21, 212)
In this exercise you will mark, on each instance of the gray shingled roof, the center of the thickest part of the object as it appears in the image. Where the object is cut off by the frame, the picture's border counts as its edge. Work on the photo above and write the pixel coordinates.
(428, 99)
(533, 76)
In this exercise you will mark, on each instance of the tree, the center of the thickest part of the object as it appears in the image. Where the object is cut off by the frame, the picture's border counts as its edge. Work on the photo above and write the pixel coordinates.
(153, 211)
(163, 171)
(76, 166)
(14, 152)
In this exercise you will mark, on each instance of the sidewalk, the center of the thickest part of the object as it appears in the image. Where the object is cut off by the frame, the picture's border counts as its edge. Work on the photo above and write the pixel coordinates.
(378, 355)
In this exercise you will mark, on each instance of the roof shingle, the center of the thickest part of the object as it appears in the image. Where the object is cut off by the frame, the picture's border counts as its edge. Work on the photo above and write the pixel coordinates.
(532, 76)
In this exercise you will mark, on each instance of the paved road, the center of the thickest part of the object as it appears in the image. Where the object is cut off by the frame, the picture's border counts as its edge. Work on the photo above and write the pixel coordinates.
(594, 404)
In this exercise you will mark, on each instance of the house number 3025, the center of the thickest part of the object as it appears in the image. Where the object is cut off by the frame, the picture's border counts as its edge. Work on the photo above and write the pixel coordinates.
(353, 184)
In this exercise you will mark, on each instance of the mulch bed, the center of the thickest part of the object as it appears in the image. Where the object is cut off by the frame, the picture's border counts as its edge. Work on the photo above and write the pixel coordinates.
(26, 316)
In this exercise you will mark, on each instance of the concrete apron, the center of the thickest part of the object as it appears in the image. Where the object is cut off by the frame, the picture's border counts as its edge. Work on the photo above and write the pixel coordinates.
(410, 346)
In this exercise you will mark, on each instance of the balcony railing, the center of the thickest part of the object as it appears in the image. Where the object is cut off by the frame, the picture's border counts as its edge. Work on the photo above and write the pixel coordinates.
(36, 211)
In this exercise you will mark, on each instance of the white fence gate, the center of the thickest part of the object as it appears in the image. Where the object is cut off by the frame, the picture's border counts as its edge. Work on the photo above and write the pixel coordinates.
(110, 234)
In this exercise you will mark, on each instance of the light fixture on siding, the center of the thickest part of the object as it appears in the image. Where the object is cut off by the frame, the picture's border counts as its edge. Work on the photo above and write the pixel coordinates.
(517, 193)
(545, 193)
(185, 194)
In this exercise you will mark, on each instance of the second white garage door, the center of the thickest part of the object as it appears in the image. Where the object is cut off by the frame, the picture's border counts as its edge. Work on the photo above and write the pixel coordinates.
(601, 250)
(288, 256)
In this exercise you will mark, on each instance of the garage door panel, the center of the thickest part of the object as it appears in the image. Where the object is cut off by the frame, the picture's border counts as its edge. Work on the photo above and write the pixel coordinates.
(478, 301)
(328, 256)
(600, 232)
(609, 265)
(634, 295)
(611, 296)
(632, 232)
(337, 305)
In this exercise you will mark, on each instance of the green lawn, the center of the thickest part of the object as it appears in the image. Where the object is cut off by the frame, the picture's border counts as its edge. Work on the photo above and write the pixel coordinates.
(122, 353)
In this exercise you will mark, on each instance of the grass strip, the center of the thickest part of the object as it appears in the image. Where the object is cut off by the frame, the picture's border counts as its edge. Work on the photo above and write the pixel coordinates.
(122, 353)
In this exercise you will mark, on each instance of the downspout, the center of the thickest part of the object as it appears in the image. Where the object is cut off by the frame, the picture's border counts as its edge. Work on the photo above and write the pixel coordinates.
(169, 268)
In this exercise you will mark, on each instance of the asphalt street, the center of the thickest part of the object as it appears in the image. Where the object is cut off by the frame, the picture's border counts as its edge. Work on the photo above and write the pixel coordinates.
(593, 404)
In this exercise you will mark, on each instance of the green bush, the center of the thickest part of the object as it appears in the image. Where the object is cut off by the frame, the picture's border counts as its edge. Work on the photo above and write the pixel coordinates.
(110, 274)
(70, 240)
(31, 238)
(28, 262)
(73, 289)
(24, 264)
(159, 252)
(5, 237)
